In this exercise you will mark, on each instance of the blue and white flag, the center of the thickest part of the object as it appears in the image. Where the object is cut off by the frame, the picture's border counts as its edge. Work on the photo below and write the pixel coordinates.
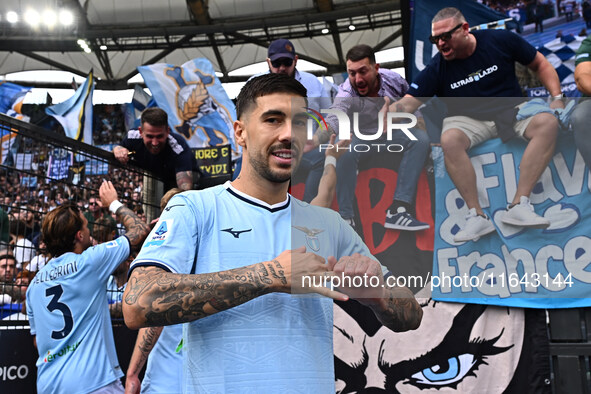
(140, 101)
(528, 268)
(11, 101)
(75, 114)
(560, 52)
(197, 105)
(421, 49)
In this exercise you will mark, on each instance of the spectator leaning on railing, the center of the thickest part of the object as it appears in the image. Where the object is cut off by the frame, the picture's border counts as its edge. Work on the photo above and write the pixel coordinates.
(154, 148)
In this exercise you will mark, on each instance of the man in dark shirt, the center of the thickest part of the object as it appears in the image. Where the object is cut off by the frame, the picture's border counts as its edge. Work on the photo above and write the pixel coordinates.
(482, 64)
(154, 148)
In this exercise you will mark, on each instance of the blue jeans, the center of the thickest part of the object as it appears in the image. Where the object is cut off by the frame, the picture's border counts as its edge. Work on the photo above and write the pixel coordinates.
(580, 121)
(413, 160)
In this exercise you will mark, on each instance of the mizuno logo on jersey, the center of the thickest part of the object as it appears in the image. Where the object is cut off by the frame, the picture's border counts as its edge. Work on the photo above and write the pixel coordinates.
(236, 233)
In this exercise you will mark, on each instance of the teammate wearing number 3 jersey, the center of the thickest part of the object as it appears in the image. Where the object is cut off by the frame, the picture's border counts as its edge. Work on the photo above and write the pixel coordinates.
(67, 301)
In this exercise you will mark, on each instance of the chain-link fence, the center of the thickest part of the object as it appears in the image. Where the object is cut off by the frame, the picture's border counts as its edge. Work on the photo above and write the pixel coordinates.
(40, 170)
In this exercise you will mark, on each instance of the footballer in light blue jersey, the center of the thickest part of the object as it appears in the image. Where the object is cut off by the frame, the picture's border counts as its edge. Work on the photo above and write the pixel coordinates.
(67, 302)
(242, 245)
(68, 311)
(228, 351)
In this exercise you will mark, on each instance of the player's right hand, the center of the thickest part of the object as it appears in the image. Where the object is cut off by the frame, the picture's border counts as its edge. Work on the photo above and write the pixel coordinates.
(121, 154)
(305, 273)
(107, 193)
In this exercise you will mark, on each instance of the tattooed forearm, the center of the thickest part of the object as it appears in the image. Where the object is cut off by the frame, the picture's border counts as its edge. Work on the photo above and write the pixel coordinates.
(146, 339)
(149, 336)
(279, 274)
(154, 297)
(399, 310)
(136, 229)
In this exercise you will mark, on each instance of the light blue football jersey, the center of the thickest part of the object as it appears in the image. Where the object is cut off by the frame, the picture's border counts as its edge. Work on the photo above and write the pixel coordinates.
(164, 370)
(68, 312)
(276, 343)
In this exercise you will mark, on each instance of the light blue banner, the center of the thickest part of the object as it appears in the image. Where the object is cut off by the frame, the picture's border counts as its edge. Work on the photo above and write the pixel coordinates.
(516, 267)
(197, 105)
(75, 114)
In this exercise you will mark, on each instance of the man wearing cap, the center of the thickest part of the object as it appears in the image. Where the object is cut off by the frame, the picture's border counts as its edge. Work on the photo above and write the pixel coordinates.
(282, 59)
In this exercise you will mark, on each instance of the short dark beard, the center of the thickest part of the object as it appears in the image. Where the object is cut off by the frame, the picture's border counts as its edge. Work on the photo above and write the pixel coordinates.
(263, 169)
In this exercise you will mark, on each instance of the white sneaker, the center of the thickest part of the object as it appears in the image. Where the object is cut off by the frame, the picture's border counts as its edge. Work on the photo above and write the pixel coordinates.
(523, 215)
(476, 227)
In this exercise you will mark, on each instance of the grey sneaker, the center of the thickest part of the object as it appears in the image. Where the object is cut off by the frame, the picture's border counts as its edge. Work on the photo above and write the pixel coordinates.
(523, 215)
(476, 227)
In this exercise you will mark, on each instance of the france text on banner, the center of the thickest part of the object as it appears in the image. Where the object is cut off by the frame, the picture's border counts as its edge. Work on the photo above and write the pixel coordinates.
(197, 105)
(75, 114)
(513, 266)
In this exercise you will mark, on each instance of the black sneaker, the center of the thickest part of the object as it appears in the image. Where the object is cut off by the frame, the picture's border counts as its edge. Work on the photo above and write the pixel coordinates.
(402, 220)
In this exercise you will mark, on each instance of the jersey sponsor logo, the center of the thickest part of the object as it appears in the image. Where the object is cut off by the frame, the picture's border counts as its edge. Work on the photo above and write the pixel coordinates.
(236, 233)
(62, 352)
(311, 237)
(474, 77)
(162, 232)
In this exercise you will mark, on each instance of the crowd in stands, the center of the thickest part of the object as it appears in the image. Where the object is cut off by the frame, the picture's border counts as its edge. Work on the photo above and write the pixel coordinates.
(23, 206)
(109, 124)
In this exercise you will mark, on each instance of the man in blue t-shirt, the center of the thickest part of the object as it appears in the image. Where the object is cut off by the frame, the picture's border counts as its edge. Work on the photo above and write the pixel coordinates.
(67, 302)
(482, 64)
(154, 148)
(227, 260)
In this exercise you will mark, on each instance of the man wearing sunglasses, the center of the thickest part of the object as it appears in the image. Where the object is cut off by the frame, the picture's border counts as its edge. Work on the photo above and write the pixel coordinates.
(95, 212)
(482, 64)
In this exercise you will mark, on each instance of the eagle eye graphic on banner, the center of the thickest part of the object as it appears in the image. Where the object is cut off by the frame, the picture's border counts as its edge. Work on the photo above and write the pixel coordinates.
(197, 105)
